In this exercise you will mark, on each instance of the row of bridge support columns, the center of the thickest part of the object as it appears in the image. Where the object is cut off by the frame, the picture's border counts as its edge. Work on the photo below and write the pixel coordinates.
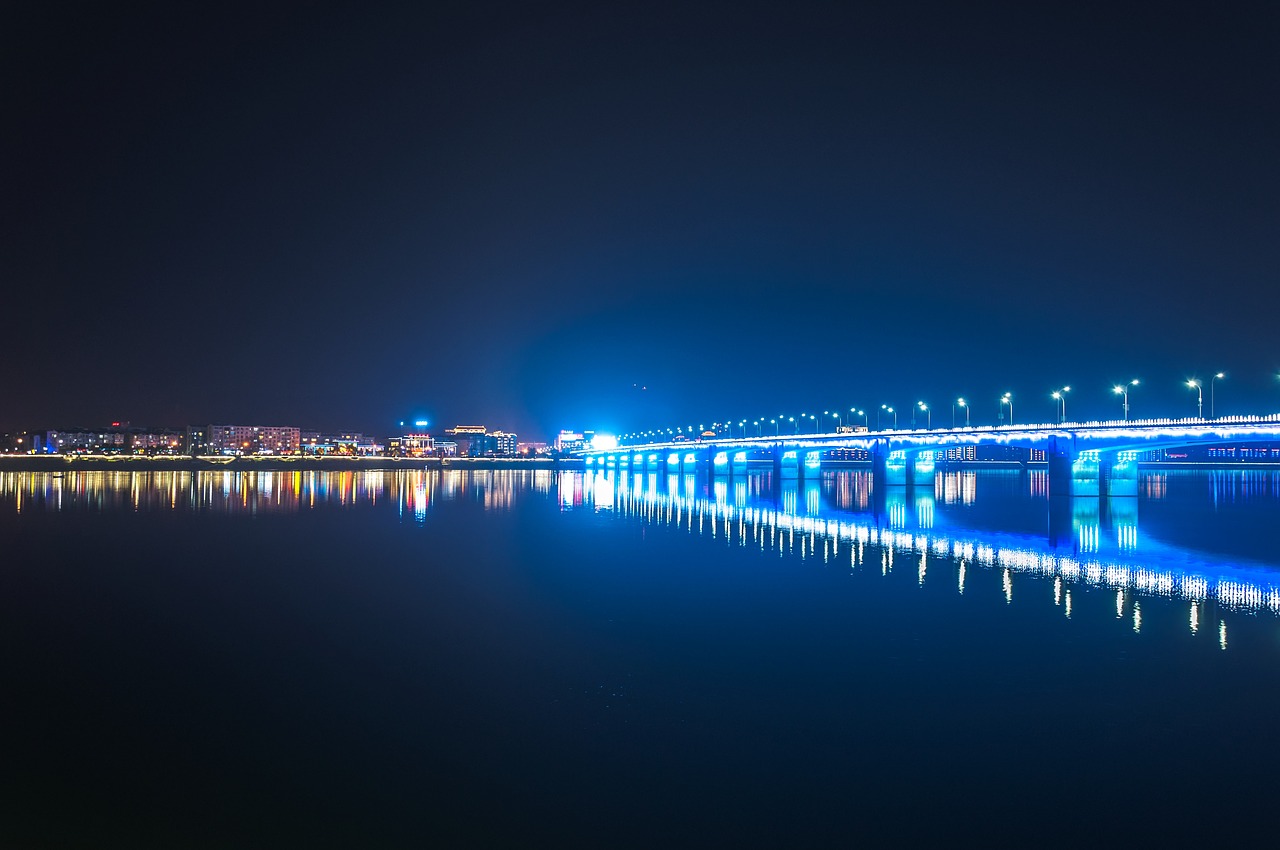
(1072, 473)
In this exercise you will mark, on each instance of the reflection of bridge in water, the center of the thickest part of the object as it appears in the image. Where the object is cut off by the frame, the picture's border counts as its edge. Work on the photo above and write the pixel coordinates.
(793, 518)
(1101, 545)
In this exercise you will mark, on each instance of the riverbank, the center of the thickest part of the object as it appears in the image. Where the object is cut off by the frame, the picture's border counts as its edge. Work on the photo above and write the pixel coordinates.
(135, 463)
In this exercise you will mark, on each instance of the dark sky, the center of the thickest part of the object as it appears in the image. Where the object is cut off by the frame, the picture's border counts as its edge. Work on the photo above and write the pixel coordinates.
(509, 216)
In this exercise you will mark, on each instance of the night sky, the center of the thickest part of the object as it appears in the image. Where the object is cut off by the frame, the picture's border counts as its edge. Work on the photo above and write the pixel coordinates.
(518, 217)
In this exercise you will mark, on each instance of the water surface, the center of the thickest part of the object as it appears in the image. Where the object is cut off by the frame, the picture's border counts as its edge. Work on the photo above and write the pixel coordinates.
(592, 659)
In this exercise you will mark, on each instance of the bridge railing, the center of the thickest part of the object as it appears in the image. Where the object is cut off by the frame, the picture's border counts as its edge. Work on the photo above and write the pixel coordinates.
(1189, 421)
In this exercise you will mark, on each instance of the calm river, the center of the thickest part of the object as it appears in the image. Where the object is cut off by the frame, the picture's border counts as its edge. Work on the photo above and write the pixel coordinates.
(530, 659)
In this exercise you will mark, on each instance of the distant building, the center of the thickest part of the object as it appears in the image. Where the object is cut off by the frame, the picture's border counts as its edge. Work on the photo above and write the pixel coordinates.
(532, 449)
(253, 439)
(197, 440)
(570, 441)
(500, 444)
(470, 439)
(412, 445)
(337, 443)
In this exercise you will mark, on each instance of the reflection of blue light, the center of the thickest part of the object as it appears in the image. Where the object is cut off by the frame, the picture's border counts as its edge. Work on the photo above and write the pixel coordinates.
(590, 460)
(1238, 588)
(691, 458)
(673, 460)
(740, 457)
(721, 459)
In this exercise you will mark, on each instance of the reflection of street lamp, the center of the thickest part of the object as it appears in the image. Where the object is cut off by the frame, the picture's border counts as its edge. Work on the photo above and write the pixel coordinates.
(1195, 385)
(963, 404)
(1007, 398)
(1212, 415)
(1061, 397)
(928, 415)
(1123, 389)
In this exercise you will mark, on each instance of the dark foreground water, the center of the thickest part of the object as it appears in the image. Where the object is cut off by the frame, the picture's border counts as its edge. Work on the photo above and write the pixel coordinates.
(528, 659)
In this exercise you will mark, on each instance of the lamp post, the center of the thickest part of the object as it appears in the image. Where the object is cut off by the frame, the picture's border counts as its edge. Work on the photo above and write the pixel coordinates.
(1212, 414)
(1061, 397)
(928, 415)
(774, 423)
(1195, 385)
(815, 422)
(1123, 389)
(963, 404)
(839, 420)
(887, 409)
(861, 413)
(792, 420)
(1007, 398)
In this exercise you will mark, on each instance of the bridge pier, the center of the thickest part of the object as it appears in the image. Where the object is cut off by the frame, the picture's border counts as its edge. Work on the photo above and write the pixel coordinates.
(1121, 475)
(922, 468)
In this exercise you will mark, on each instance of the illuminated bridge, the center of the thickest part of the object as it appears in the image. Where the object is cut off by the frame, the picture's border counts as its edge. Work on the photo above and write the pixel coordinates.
(1084, 459)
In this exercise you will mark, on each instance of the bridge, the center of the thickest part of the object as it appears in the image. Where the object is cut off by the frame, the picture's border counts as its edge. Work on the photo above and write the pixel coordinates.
(1084, 458)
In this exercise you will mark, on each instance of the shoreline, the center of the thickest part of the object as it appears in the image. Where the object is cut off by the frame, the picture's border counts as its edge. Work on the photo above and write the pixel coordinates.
(136, 463)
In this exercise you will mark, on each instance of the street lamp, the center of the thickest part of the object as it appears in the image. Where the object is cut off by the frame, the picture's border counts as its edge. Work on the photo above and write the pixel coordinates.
(928, 415)
(774, 423)
(1007, 398)
(861, 413)
(1212, 415)
(963, 404)
(792, 420)
(815, 422)
(1061, 397)
(1195, 385)
(839, 420)
(1123, 389)
(887, 409)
